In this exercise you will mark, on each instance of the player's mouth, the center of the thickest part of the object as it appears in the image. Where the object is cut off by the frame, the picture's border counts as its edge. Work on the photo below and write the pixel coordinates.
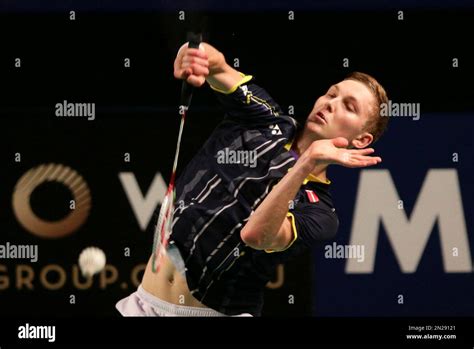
(319, 118)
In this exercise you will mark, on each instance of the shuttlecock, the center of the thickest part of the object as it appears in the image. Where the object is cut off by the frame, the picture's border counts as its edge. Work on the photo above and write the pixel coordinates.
(91, 261)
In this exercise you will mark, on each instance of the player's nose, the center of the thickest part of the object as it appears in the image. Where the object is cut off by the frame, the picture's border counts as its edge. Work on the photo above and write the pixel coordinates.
(328, 106)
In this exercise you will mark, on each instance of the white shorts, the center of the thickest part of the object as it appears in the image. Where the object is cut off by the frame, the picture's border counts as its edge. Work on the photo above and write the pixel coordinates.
(142, 303)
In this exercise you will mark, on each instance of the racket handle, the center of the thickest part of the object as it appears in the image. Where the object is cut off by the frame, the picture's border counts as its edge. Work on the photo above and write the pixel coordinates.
(187, 89)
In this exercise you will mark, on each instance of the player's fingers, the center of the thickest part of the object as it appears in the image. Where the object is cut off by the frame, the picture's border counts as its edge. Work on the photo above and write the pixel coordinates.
(190, 60)
(183, 73)
(196, 69)
(196, 53)
(179, 73)
(366, 157)
(372, 160)
(364, 151)
(359, 163)
(177, 69)
(199, 70)
(179, 60)
(196, 81)
(196, 59)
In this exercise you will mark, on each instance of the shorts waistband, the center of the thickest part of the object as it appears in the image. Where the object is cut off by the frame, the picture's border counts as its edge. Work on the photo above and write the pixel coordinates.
(175, 309)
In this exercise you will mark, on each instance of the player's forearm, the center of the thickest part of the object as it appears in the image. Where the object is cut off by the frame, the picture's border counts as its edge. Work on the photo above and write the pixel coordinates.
(221, 75)
(264, 224)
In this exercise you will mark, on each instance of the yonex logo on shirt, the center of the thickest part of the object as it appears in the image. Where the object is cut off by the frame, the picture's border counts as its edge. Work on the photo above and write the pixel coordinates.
(275, 130)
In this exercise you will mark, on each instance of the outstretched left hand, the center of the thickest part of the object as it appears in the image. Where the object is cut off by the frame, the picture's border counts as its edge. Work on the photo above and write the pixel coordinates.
(334, 151)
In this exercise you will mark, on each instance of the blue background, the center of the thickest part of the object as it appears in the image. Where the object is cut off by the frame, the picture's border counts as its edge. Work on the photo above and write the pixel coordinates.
(409, 149)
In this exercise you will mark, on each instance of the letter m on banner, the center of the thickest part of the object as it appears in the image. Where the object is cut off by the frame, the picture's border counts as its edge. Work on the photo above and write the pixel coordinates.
(439, 201)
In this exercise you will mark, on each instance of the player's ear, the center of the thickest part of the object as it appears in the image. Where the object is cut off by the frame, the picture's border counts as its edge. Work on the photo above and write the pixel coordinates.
(363, 140)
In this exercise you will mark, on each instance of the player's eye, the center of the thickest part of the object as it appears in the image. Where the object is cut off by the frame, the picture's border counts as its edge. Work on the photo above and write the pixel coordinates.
(350, 107)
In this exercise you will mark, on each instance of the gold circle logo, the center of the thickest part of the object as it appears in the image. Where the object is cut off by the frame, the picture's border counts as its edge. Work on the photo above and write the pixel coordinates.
(48, 173)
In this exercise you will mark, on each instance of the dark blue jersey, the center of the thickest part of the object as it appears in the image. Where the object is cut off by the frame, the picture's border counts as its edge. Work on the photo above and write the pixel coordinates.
(246, 155)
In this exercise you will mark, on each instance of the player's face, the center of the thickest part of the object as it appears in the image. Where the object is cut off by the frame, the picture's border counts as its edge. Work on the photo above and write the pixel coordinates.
(341, 112)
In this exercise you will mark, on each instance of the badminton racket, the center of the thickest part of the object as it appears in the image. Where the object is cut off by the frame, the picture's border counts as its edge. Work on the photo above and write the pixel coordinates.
(165, 217)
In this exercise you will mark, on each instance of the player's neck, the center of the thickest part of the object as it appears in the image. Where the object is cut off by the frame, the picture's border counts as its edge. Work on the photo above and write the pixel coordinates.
(302, 143)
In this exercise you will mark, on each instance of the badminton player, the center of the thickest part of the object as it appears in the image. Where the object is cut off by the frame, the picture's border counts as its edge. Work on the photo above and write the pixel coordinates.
(237, 217)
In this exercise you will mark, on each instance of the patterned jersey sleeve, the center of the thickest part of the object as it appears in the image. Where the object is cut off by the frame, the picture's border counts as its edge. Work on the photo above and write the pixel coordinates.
(251, 105)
